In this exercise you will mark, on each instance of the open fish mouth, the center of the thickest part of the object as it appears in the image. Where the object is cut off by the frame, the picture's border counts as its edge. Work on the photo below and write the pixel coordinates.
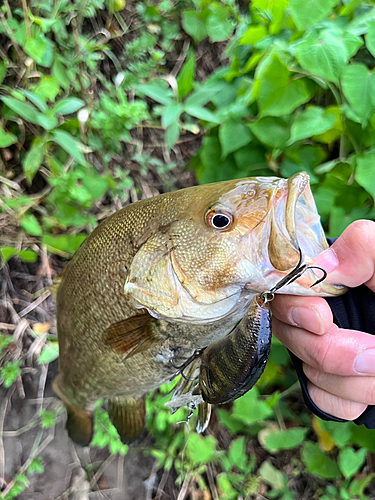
(296, 229)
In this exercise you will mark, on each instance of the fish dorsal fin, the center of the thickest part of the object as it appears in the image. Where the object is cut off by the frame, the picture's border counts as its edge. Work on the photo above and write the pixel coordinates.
(132, 335)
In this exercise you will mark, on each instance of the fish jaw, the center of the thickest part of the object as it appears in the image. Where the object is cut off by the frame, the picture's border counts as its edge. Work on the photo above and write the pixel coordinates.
(295, 230)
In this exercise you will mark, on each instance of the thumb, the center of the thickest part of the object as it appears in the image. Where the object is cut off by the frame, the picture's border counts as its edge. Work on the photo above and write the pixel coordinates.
(350, 260)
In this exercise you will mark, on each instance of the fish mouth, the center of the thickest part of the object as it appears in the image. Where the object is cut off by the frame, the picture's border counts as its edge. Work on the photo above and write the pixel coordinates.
(296, 229)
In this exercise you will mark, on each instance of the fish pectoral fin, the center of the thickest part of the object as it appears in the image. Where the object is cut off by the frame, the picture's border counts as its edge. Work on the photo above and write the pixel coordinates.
(128, 416)
(132, 335)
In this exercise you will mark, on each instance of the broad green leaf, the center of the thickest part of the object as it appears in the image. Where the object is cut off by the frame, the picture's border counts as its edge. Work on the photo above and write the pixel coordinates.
(272, 131)
(70, 145)
(95, 185)
(67, 243)
(312, 121)
(219, 26)
(351, 461)
(6, 138)
(237, 453)
(28, 255)
(200, 450)
(40, 49)
(33, 159)
(201, 113)
(171, 114)
(318, 463)
(370, 37)
(365, 172)
(67, 106)
(339, 219)
(358, 85)
(31, 225)
(322, 54)
(36, 100)
(252, 35)
(233, 135)
(7, 252)
(172, 134)
(26, 111)
(249, 409)
(157, 90)
(49, 353)
(284, 440)
(272, 476)
(59, 73)
(306, 13)
(278, 93)
(185, 77)
(334, 133)
(48, 88)
(193, 25)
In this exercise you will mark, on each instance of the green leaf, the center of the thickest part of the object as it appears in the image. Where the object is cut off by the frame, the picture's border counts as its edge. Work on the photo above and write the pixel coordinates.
(37, 101)
(200, 450)
(7, 252)
(322, 54)
(218, 26)
(365, 172)
(306, 13)
(26, 111)
(157, 90)
(30, 224)
(249, 409)
(6, 138)
(10, 372)
(193, 25)
(3, 70)
(59, 73)
(185, 77)
(70, 145)
(28, 255)
(67, 243)
(278, 93)
(272, 476)
(35, 466)
(233, 135)
(172, 133)
(49, 353)
(350, 461)
(171, 114)
(95, 185)
(284, 440)
(319, 463)
(237, 453)
(33, 159)
(252, 35)
(40, 49)
(272, 131)
(312, 121)
(358, 85)
(48, 88)
(201, 113)
(67, 106)
(370, 37)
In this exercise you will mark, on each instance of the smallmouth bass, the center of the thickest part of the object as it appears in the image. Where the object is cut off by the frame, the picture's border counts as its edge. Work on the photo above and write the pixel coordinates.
(166, 276)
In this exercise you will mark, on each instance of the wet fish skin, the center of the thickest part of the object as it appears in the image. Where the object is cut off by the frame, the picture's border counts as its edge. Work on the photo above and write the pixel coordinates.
(154, 282)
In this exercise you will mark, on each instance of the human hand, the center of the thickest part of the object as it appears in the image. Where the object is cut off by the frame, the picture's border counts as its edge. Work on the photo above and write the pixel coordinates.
(339, 364)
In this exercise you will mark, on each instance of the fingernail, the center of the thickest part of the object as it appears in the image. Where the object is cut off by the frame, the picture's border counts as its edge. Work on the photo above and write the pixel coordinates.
(308, 319)
(364, 363)
(327, 260)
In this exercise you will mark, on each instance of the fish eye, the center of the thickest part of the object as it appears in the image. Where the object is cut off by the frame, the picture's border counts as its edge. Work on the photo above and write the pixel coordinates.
(219, 219)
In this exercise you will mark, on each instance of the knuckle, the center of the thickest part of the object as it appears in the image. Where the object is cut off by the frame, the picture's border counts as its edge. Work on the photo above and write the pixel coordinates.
(362, 230)
(321, 355)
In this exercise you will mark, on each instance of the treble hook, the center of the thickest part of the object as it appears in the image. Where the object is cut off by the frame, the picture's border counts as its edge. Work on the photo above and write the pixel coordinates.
(180, 369)
(292, 276)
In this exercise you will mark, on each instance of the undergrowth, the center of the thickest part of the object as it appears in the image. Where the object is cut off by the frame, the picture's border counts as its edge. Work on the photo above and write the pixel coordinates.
(103, 104)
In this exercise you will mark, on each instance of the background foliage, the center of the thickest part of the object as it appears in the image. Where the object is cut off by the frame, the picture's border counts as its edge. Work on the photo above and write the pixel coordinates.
(102, 105)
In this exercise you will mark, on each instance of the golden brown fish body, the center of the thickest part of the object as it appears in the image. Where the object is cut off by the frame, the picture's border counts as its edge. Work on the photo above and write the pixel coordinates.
(170, 274)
